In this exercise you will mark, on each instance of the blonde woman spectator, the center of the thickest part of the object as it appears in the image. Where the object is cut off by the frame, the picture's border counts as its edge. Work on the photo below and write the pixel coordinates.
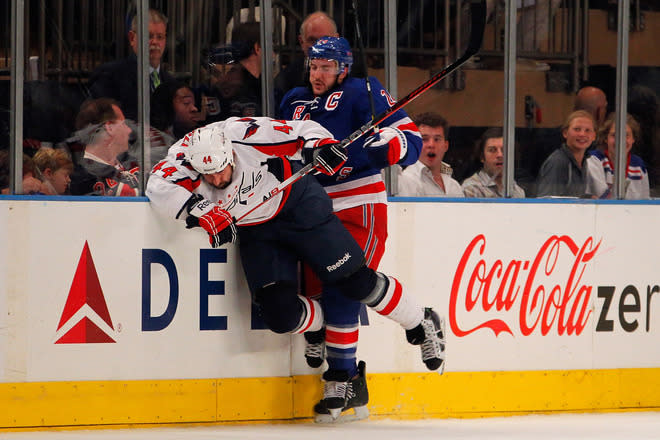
(487, 182)
(601, 163)
(564, 172)
(54, 168)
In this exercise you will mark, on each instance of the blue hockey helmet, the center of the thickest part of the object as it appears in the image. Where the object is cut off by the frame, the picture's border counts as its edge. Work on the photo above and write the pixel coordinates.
(332, 48)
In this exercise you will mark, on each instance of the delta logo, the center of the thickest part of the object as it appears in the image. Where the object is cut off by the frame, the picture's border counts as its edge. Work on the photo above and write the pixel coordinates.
(85, 318)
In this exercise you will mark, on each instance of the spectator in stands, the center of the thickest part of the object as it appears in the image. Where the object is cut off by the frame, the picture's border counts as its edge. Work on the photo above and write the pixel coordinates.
(564, 172)
(430, 176)
(545, 141)
(106, 168)
(173, 114)
(222, 82)
(487, 182)
(592, 100)
(55, 167)
(31, 185)
(244, 76)
(316, 25)
(600, 177)
(118, 79)
(643, 105)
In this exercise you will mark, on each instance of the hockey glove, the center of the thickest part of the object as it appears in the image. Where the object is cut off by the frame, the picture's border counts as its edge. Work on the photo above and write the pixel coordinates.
(326, 155)
(386, 147)
(217, 222)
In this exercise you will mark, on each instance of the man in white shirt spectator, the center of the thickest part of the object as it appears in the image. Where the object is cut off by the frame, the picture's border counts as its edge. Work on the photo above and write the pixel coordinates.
(430, 176)
(488, 182)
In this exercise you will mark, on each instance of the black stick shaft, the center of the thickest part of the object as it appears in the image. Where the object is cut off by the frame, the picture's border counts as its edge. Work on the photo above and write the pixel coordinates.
(363, 54)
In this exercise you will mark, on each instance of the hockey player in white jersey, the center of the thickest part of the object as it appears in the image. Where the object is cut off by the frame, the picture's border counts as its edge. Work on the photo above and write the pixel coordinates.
(221, 172)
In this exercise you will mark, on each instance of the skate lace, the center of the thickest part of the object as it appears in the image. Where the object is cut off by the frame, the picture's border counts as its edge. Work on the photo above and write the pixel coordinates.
(350, 393)
(314, 350)
(432, 347)
(334, 389)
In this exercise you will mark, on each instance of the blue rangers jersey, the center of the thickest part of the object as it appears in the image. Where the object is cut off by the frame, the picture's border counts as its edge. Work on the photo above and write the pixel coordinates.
(600, 177)
(342, 110)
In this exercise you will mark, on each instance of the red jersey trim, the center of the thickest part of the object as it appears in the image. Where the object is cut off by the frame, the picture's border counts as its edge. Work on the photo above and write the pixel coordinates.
(371, 188)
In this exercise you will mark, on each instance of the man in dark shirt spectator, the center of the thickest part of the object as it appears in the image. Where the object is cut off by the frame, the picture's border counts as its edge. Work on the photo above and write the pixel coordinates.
(118, 79)
(316, 25)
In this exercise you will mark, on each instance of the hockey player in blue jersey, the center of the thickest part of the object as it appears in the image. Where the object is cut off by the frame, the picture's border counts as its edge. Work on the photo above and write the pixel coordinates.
(341, 104)
(216, 178)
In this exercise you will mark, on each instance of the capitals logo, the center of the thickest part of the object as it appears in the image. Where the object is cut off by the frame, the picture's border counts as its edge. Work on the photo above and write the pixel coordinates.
(251, 128)
(85, 318)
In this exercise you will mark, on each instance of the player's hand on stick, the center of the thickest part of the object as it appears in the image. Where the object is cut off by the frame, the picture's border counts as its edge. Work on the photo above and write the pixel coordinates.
(386, 147)
(217, 222)
(327, 155)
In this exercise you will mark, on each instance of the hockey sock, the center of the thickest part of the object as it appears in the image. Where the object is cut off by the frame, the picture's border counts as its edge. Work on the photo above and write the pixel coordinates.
(388, 299)
(341, 347)
(312, 316)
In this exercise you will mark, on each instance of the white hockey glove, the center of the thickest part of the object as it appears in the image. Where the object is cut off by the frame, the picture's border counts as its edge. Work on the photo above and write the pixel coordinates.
(325, 154)
(386, 147)
(217, 222)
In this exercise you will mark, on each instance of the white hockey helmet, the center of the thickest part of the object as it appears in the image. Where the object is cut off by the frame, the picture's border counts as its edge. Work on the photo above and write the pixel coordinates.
(210, 151)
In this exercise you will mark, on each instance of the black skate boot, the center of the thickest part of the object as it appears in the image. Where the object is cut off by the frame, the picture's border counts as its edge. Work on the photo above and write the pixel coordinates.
(355, 396)
(430, 334)
(315, 348)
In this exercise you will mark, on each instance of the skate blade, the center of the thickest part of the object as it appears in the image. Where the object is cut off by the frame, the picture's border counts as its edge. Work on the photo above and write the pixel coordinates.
(359, 413)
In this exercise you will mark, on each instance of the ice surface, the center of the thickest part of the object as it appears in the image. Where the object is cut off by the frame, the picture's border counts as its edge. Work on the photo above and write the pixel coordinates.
(609, 426)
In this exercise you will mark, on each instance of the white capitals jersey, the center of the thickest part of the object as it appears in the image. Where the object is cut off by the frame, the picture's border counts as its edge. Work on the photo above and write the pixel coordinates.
(254, 141)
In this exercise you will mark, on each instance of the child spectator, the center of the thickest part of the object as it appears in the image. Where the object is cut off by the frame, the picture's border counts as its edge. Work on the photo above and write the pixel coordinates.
(564, 172)
(601, 163)
(31, 185)
(55, 167)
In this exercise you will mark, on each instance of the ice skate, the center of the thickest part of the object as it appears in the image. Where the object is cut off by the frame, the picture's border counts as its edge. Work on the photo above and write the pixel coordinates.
(430, 334)
(340, 395)
(315, 348)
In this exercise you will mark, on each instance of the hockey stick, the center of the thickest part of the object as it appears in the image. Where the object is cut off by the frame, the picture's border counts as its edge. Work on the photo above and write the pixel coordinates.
(478, 24)
(363, 55)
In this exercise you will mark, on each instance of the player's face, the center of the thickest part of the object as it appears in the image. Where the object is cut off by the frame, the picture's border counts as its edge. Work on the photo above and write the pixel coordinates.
(611, 141)
(434, 145)
(493, 159)
(221, 179)
(580, 134)
(323, 75)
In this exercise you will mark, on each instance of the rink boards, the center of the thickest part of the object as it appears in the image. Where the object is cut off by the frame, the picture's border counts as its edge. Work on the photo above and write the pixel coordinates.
(113, 315)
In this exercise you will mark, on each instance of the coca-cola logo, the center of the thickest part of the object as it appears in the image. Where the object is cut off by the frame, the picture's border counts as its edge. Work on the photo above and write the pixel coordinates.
(544, 294)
